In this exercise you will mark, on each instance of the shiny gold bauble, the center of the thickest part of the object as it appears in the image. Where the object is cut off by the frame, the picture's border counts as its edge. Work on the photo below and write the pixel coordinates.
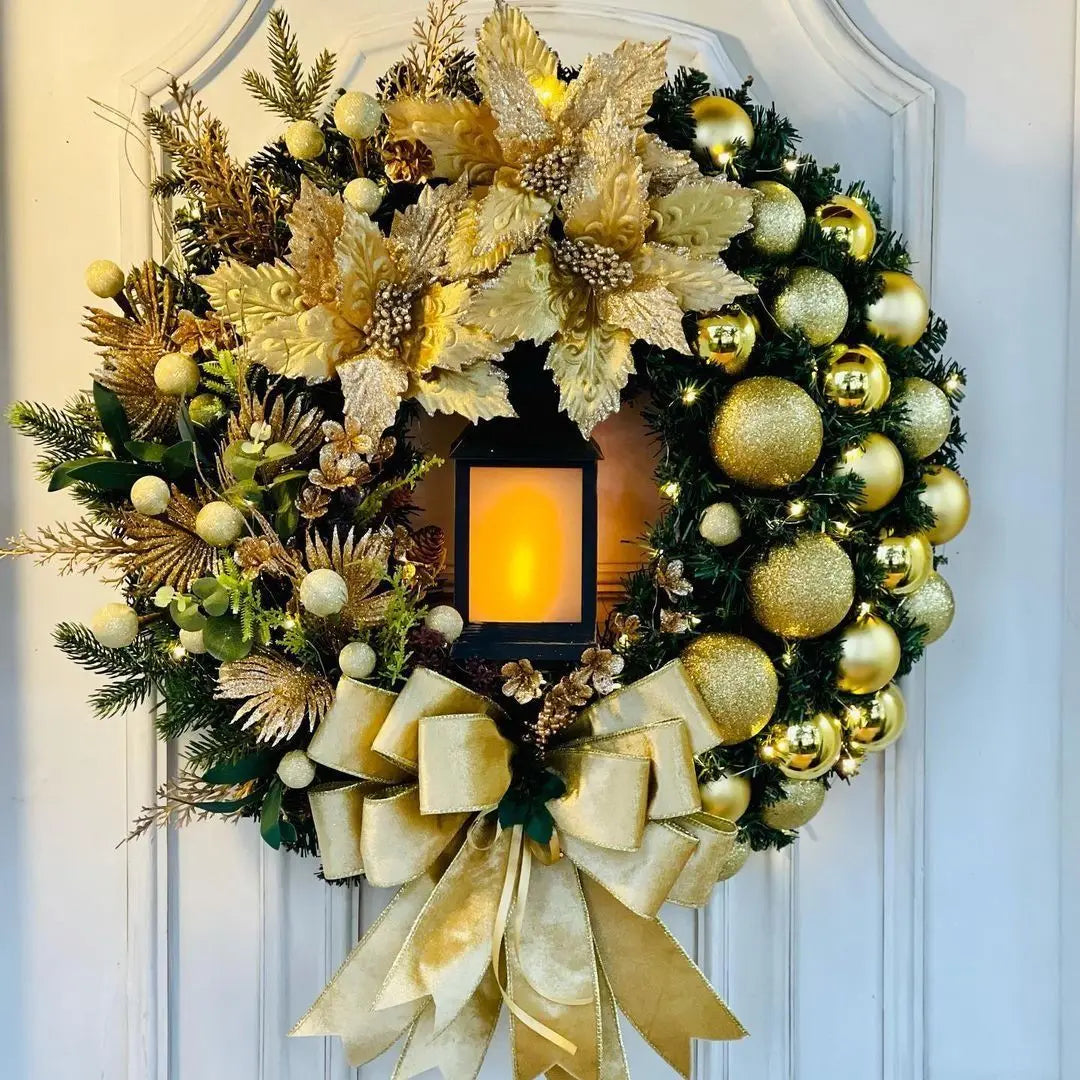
(847, 220)
(856, 378)
(719, 123)
(726, 796)
(901, 313)
(779, 219)
(869, 655)
(946, 494)
(929, 416)
(735, 860)
(878, 721)
(736, 681)
(812, 303)
(727, 339)
(907, 561)
(801, 801)
(881, 467)
(802, 590)
(767, 432)
(805, 749)
(931, 607)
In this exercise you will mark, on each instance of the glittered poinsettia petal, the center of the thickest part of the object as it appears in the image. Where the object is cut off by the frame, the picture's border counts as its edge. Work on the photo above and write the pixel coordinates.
(702, 214)
(479, 392)
(520, 303)
(699, 284)
(624, 80)
(363, 264)
(252, 296)
(315, 222)
(590, 368)
(507, 37)
(372, 386)
(419, 235)
(459, 133)
(305, 346)
(650, 313)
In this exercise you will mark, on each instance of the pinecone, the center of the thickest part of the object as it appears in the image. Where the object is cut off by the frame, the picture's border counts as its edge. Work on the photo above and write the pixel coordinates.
(407, 162)
(427, 546)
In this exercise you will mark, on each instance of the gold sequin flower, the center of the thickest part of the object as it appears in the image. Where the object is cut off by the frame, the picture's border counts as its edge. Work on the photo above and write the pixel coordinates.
(523, 682)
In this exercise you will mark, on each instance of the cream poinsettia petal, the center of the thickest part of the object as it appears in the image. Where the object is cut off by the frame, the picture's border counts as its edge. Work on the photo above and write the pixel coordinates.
(479, 392)
(507, 37)
(590, 366)
(509, 216)
(372, 386)
(419, 235)
(363, 263)
(525, 128)
(625, 79)
(702, 213)
(441, 337)
(521, 303)
(649, 312)
(462, 258)
(305, 346)
(699, 284)
(666, 167)
(315, 222)
(252, 296)
(459, 133)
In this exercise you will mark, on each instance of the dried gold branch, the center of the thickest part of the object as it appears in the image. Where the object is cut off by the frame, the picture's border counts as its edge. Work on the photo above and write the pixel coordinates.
(184, 800)
(81, 546)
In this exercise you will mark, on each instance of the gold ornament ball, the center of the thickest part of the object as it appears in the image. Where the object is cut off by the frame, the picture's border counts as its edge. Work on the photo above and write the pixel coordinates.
(720, 524)
(445, 620)
(856, 378)
(848, 221)
(727, 339)
(726, 796)
(812, 303)
(357, 660)
(150, 496)
(363, 194)
(946, 493)
(115, 626)
(104, 278)
(737, 682)
(869, 655)
(877, 722)
(802, 590)
(323, 592)
(176, 375)
(304, 140)
(193, 642)
(296, 769)
(219, 524)
(779, 219)
(907, 561)
(806, 749)
(767, 432)
(881, 467)
(929, 416)
(719, 123)
(901, 313)
(801, 801)
(357, 115)
(931, 607)
(735, 860)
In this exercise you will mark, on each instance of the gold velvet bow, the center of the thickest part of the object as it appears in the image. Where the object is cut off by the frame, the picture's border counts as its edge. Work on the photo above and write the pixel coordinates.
(580, 932)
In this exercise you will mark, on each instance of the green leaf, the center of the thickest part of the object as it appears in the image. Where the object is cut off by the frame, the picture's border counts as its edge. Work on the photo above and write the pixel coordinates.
(114, 421)
(291, 478)
(288, 832)
(204, 587)
(270, 818)
(223, 637)
(217, 603)
(187, 618)
(145, 451)
(179, 459)
(239, 462)
(226, 807)
(253, 767)
(103, 473)
(277, 450)
(540, 825)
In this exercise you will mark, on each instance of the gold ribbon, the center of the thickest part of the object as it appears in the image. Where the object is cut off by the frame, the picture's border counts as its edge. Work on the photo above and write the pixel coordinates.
(486, 916)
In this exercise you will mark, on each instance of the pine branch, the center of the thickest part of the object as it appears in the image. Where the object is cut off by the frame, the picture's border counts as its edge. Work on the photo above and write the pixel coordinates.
(290, 93)
(63, 434)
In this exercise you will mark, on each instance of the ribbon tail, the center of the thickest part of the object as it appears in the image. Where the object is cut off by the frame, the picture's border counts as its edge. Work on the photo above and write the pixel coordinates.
(658, 987)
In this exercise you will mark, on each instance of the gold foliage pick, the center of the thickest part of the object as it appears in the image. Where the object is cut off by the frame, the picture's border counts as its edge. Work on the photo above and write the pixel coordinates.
(363, 564)
(82, 546)
(315, 222)
(166, 550)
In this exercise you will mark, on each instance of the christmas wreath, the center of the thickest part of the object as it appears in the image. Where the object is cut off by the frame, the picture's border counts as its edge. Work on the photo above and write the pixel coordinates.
(247, 458)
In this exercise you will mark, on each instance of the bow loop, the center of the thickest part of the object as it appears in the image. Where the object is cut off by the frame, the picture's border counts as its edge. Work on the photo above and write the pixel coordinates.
(464, 763)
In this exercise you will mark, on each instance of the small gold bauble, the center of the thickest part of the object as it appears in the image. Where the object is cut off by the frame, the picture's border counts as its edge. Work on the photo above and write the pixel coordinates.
(881, 467)
(176, 375)
(727, 339)
(779, 219)
(806, 749)
(150, 496)
(878, 721)
(720, 524)
(801, 801)
(901, 313)
(719, 123)
(304, 140)
(115, 626)
(104, 278)
(802, 590)
(931, 607)
(296, 769)
(848, 221)
(726, 796)
(363, 194)
(767, 432)
(907, 561)
(357, 660)
(357, 115)
(193, 641)
(445, 620)
(737, 682)
(219, 524)
(869, 655)
(856, 378)
(323, 592)
(735, 860)
(812, 303)
(928, 416)
(946, 493)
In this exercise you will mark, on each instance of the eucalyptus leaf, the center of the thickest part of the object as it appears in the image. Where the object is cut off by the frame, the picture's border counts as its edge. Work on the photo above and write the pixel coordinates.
(277, 450)
(223, 637)
(204, 587)
(187, 618)
(217, 603)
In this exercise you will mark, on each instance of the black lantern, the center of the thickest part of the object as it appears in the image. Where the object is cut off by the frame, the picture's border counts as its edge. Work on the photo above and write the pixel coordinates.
(525, 526)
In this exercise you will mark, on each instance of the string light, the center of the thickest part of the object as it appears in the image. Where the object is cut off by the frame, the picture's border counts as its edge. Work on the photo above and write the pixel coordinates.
(103, 445)
(954, 384)
(848, 766)
(670, 490)
(288, 623)
(796, 508)
(791, 165)
(178, 652)
(723, 159)
(842, 528)
(787, 657)
(690, 394)
(865, 608)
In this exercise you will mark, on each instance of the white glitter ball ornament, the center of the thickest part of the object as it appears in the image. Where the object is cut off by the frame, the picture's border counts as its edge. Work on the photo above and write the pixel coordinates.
(192, 640)
(363, 194)
(357, 115)
(104, 278)
(445, 620)
(304, 140)
(323, 592)
(150, 495)
(115, 626)
(357, 660)
(219, 524)
(176, 375)
(720, 524)
(296, 769)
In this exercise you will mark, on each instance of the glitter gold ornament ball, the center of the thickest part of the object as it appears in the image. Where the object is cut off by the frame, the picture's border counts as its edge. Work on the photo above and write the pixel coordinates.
(363, 194)
(357, 115)
(150, 496)
(856, 378)
(812, 303)
(296, 769)
(176, 375)
(726, 796)
(104, 278)
(881, 467)
(720, 123)
(445, 620)
(735, 860)
(869, 655)
(906, 560)
(779, 219)
(901, 313)
(946, 494)
(928, 418)
(727, 339)
(115, 626)
(877, 722)
(219, 524)
(720, 524)
(804, 749)
(323, 592)
(737, 682)
(304, 140)
(357, 660)
(931, 607)
(802, 590)
(848, 221)
(767, 432)
(801, 801)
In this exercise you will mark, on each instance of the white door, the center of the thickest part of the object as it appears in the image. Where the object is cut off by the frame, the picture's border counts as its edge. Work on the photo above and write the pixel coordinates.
(189, 956)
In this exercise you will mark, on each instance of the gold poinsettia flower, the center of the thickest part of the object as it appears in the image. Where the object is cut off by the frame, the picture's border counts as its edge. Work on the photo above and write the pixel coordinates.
(626, 268)
(369, 308)
(521, 144)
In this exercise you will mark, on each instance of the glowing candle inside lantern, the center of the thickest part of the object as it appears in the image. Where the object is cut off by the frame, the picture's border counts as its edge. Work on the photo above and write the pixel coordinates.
(525, 544)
